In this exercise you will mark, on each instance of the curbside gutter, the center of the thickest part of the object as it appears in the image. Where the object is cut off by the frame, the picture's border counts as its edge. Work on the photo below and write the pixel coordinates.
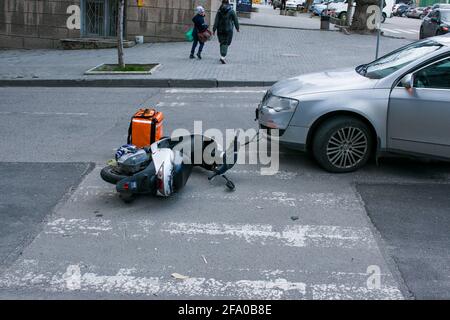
(137, 83)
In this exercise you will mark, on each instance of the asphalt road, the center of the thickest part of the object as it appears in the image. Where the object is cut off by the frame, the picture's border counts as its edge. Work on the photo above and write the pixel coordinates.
(414, 219)
(402, 27)
(28, 194)
(302, 233)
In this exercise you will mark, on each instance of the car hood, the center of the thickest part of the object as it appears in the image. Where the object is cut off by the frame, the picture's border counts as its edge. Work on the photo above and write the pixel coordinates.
(335, 80)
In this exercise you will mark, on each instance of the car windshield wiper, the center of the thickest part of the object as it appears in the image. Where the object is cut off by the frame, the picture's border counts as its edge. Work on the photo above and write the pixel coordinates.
(362, 69)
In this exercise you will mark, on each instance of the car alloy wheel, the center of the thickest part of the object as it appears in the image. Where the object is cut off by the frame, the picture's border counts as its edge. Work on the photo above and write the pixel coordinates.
(347, 147)
(342, 144)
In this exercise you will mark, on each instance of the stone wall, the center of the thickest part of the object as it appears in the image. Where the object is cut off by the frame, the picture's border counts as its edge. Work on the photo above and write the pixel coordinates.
(42, 23)
(35, 23)
(164, 20)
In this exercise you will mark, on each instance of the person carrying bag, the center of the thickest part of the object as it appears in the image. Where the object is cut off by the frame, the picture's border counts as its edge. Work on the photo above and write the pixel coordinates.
(200, 33)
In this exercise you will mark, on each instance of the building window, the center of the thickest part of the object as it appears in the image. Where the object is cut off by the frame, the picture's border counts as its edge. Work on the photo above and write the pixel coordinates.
(99, 18)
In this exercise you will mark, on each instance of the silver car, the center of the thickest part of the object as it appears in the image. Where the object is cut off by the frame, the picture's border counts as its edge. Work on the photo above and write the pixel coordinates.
(399, 103)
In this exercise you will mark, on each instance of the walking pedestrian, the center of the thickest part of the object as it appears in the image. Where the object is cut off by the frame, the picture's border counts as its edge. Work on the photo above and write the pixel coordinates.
(283, 5)
(199, 26)
(226, 20)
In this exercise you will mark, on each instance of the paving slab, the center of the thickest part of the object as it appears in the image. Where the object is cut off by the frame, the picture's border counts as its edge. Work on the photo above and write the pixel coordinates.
(257, 56)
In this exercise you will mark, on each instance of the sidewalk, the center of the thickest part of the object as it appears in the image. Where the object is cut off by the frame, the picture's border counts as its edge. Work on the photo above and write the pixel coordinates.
(258, 56)
(268, 17)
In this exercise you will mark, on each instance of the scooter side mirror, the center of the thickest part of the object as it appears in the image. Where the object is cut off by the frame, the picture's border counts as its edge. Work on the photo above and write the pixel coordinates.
(408, 81)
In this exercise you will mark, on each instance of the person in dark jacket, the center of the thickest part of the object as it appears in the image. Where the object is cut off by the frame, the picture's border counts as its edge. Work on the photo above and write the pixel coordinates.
(199, 26)
(226, 20)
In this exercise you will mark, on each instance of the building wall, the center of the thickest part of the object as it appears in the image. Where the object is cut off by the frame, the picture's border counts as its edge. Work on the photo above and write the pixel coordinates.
(35, 23)
(42, 23)
(164, 20)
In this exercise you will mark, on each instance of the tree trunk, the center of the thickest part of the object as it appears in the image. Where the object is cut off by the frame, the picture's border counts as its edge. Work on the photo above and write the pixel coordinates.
(120, 34)
(361, 17)
(349, 12)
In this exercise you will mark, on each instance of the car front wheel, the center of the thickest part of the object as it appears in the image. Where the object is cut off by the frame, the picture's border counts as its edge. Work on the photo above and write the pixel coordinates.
(342, 144)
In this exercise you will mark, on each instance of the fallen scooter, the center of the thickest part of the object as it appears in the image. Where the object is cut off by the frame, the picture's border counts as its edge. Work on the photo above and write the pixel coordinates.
(165, 166)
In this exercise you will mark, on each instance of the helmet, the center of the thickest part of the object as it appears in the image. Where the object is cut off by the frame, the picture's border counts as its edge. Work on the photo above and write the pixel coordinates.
(126, 148)
(130, 159)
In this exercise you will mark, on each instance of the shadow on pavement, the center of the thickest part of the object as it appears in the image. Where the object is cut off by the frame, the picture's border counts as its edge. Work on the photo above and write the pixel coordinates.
(28, 193)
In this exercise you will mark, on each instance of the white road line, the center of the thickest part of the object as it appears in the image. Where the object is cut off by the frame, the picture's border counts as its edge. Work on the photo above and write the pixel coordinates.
(46, 113)
(211, 105)
(261, 234)
(389, 30)
(80, 226)
(410, 31)
(128, 281)
(170, 104)
(343, 292)
(213, 91)
(325, 200)
(295, 236)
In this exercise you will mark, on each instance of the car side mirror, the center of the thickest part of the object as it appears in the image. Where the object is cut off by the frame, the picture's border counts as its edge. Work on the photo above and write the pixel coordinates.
(408, 81)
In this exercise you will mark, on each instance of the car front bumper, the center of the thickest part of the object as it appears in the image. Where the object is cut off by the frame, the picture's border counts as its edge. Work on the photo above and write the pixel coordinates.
(269, 120)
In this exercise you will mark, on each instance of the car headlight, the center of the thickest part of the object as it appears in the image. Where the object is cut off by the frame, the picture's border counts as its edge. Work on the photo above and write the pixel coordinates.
(281, 104)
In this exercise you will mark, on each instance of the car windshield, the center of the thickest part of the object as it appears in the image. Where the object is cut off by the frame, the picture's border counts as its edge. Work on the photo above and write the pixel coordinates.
(445, 15)
(397, 59)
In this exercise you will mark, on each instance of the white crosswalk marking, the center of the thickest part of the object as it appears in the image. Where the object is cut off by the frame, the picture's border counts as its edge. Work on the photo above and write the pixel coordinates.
(127, 281)
(195, 91)
(261, 253)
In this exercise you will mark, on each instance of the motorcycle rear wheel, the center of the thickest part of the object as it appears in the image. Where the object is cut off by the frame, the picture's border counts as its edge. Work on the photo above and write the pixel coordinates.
(111, 175)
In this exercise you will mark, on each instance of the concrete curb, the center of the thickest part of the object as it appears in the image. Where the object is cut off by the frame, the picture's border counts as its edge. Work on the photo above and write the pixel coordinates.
(137, 83)
(284, 27)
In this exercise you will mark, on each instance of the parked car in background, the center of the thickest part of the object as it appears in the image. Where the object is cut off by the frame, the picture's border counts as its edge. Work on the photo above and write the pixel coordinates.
(338, 9)
(395, 7)
(319, 8)
(315, 3)
(294, 4)
(397, 104)
(426, 11)
(417, 13)
(437, 22)
(401, 10)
